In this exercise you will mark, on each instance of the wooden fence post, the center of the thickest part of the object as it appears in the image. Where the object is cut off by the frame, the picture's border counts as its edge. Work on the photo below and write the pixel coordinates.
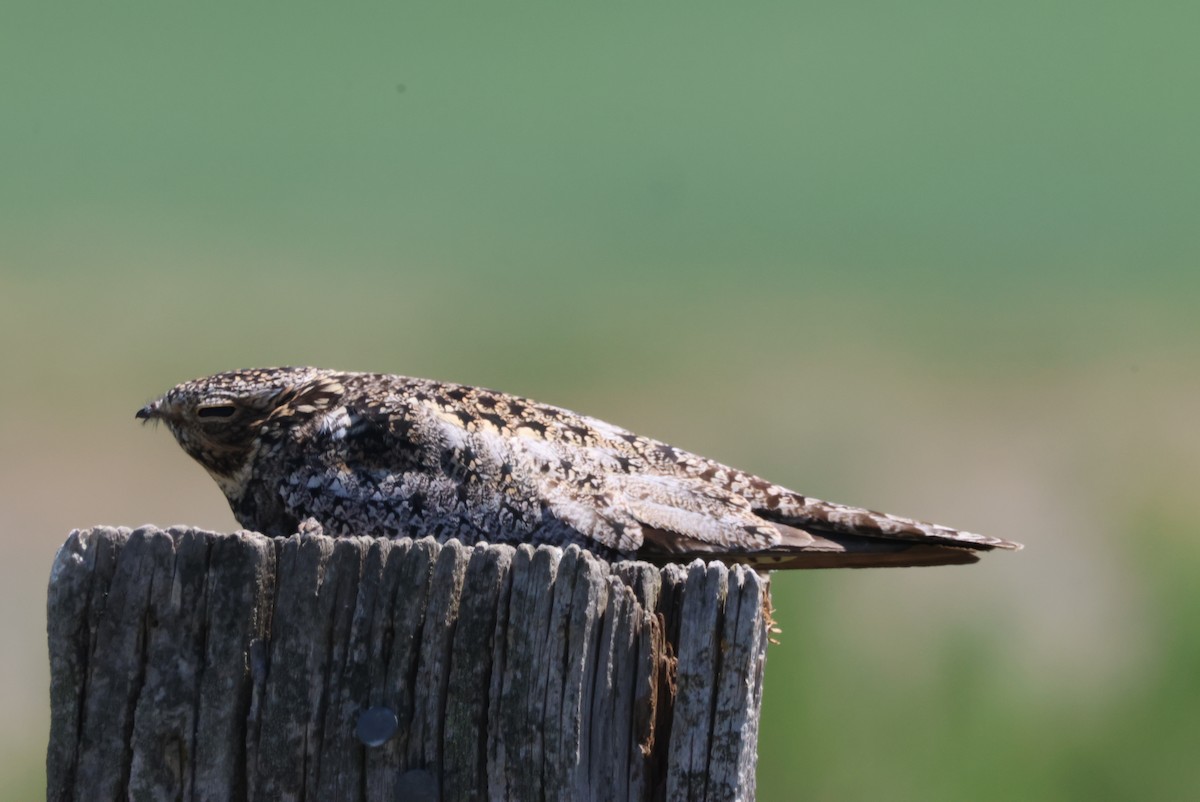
(200, 666)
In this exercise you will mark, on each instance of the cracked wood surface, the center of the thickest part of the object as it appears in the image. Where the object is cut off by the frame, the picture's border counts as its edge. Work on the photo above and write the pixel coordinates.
(200, 666)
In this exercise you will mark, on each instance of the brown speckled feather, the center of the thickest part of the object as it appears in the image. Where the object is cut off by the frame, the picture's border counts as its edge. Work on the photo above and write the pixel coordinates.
(373, 454)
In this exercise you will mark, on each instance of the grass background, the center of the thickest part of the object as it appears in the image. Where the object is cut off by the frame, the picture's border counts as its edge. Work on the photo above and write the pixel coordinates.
(934, 258)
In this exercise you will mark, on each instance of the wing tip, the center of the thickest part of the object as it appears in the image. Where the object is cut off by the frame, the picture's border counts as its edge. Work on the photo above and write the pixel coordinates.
(989, 542)
(917, 556)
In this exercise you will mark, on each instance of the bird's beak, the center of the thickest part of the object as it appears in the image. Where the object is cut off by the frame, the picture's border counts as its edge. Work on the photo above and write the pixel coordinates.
(148, 412)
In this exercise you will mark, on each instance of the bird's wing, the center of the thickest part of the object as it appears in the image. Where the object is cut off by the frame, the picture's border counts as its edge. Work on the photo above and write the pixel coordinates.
(680, 519)
(688, 504)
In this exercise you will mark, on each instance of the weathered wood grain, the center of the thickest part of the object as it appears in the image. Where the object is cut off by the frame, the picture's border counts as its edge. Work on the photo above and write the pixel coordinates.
(191, 665)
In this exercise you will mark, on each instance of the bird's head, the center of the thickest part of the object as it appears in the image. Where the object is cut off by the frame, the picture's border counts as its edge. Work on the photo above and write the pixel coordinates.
(221, 420)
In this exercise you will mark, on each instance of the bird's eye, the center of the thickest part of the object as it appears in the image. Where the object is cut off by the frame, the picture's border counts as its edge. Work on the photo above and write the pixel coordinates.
(216, 411)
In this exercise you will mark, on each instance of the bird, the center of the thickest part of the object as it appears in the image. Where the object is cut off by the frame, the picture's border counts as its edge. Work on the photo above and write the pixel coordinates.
(394, 456)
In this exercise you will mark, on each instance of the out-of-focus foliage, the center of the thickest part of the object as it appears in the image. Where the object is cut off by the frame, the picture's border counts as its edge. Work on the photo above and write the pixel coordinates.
(939, 259)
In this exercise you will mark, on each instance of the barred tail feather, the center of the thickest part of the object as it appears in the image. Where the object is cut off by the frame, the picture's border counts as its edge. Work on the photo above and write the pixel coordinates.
(839, 519)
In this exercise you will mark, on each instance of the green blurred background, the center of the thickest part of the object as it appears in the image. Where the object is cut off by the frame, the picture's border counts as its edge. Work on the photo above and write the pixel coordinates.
(934, 258)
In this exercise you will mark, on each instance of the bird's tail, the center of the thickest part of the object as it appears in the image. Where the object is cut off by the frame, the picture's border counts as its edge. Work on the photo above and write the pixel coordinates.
(839, 521)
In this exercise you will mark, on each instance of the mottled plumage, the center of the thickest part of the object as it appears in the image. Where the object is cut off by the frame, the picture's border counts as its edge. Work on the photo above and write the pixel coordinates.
(372, 454)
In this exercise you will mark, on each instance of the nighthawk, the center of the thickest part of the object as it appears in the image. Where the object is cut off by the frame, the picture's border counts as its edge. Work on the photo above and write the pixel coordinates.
(392, 456)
